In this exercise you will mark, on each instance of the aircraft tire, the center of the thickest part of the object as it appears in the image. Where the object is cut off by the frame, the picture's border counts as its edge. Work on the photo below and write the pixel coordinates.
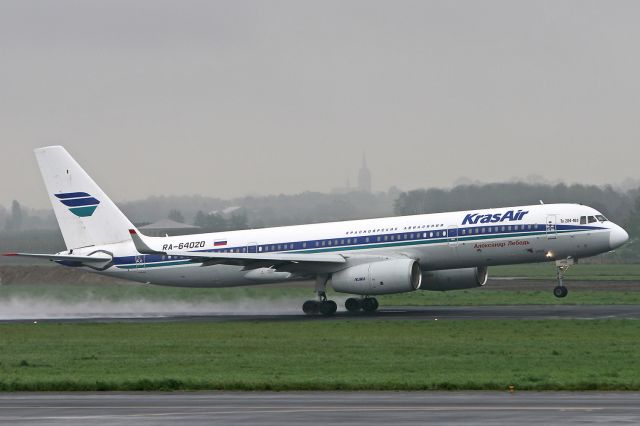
(560, 291)
(370, 304)
(310, 307)
(328, 307)
(352, 304)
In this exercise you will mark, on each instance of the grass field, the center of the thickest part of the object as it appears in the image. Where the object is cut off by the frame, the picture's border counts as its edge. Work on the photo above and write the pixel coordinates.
(484, 297)
(393, 355)
(581, 272)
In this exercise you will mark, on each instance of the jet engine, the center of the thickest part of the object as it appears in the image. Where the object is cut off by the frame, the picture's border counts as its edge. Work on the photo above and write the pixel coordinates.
(454, 279)
(383, 277)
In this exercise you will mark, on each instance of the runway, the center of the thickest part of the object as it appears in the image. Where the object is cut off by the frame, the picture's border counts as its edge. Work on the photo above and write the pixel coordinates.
(423, 313)
(320, 408)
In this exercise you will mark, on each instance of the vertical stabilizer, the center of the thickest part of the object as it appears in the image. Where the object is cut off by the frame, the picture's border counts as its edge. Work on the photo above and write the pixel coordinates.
(86, 216)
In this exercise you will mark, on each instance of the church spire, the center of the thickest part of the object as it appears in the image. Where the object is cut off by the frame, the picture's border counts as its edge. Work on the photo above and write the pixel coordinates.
(364, 176)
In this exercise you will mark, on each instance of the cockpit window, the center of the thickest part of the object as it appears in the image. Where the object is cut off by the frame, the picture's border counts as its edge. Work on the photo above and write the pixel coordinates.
(583, 220)
(601, 218)
(592, 219)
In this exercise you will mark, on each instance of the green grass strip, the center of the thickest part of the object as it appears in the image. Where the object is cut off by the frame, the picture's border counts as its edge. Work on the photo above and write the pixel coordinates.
(322, 355)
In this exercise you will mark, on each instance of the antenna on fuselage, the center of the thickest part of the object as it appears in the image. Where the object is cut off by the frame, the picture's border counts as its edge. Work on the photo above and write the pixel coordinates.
(542, 202)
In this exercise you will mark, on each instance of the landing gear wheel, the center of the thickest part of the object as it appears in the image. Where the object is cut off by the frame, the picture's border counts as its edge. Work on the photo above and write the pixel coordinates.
(328, 307)
(560, 291)
(310, 307)
(352, 304)
(370, 304)
(562, 266)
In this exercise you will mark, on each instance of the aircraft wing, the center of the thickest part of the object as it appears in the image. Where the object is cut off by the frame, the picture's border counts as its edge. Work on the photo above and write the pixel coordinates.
(243, 259)
(249, 258)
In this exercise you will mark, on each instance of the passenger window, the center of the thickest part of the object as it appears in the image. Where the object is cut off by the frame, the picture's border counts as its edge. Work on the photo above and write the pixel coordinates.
(583, 220)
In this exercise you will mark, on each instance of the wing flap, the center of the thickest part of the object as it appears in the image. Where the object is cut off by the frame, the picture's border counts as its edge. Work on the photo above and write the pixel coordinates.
(245, 258)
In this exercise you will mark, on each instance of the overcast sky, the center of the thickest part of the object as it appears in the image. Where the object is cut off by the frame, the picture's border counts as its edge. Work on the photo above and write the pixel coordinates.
(227, 98)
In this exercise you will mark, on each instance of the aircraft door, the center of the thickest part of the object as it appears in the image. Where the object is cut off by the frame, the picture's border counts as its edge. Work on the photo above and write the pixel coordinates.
(140, 263)
(252, 248)
(552, 231)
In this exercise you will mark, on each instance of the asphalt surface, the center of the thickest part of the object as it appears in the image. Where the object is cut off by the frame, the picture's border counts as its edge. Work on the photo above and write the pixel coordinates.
(423, 313)
(320, 408)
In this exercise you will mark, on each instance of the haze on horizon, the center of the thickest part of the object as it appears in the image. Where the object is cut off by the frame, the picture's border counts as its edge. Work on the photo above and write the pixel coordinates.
(227, 98)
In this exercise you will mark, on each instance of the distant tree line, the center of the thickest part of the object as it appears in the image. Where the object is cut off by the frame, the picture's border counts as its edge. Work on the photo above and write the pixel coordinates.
(214, 222)
(212, 214)
(18, 218)
(613, 204)
(264, 211)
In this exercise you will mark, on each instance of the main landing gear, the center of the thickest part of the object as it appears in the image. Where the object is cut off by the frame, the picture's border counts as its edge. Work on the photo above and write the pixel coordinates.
(561, 267)
(322, 305)
(367, 304)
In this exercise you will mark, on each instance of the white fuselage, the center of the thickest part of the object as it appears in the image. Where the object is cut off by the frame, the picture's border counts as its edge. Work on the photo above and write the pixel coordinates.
(510, 235)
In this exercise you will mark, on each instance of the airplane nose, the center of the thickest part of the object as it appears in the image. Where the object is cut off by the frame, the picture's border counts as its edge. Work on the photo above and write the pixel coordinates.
(617, 237)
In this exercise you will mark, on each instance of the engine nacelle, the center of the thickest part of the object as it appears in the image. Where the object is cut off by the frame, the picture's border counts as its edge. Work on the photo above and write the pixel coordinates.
(383, 277)
(454, 279)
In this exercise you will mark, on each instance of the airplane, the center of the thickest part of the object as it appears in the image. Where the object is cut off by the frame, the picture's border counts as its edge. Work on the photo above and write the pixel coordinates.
(364, 258)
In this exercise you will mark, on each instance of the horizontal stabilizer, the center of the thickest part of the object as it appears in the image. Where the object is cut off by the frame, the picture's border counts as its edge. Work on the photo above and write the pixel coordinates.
(97, 259)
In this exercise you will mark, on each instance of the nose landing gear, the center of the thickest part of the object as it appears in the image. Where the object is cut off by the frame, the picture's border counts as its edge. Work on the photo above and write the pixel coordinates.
(562, 266)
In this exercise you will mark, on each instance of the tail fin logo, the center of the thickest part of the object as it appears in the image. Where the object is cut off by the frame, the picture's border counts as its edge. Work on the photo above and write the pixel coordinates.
(80, 203)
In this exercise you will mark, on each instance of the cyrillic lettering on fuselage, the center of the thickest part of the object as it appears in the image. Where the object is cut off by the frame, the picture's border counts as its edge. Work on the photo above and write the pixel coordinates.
(474, 218)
